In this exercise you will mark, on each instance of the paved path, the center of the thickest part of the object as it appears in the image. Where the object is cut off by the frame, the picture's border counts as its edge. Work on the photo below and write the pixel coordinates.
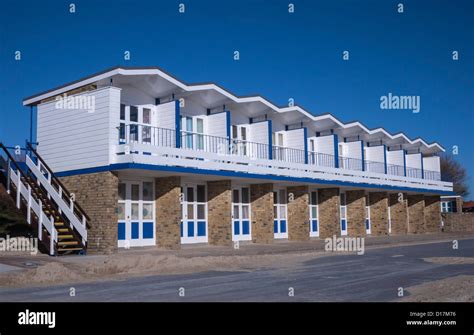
(372, 277)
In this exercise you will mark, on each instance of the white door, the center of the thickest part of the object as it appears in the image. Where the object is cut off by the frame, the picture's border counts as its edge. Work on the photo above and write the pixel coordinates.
(194, 209)
(343, 213)
(136, 214)
(368, 225)
(241, 224)
(240, 144)
(280, 213)
(192, 129)
(313, 214)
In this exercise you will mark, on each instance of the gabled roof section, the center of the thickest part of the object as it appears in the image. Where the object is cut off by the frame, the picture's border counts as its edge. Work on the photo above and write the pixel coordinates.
(121, 70)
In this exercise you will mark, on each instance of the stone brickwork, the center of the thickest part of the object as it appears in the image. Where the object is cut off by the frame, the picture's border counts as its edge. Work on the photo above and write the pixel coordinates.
(398, 213)
(168, 212)
(261, 198)
(219, 211)
(416, 213)
(355, 201)
(378, 213)
(298, 213)
(458, 222)
(432, 214)
(97, 193)
(329, 211)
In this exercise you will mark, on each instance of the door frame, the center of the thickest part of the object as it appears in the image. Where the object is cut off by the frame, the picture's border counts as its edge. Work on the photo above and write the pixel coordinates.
(128, 221)
(277, 220)
(240, 204)
(184, 224)
(343, 209)
(313, 233)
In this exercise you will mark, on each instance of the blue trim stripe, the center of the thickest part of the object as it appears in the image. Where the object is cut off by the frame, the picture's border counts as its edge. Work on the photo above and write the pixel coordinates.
(362, 155)
(178, 124)
(305, 135)
(177, 169)
(336, 151)
(270, 144)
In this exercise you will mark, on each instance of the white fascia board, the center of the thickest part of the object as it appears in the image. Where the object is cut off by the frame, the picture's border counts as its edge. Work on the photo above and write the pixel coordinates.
(210, 86)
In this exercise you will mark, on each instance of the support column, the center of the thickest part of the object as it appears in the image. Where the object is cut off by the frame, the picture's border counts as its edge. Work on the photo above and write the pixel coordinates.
(168, 212)
(261, 198)
(398, 213)
(432, 214)
(219, 212)
(416, 216)
(97, 193)
(298, 213)
(329, 224)
(378, 213)
(355, 201)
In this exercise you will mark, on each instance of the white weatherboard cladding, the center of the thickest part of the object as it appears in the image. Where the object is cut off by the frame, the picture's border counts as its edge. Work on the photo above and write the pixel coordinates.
(351, 149)
(76, 139)
(217, 124)
(259, 132)
(166, 115)
(413, 161)
(295, 138)
(395, 157)
(375, 154)
(324, 144)
(431, 163)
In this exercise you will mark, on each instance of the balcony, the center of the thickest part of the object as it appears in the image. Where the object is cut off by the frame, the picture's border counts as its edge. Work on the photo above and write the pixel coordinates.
(161, 146)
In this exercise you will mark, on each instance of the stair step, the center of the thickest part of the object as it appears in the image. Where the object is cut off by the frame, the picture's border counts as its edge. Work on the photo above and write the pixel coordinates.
(62, 230)
(69, 249)
(62, 243)
(59, 223)
(65, 236)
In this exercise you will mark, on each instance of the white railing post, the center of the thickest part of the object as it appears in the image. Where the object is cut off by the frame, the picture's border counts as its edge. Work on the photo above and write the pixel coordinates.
(28, 210)
(52, 237)
(40, 220)
(18, 189)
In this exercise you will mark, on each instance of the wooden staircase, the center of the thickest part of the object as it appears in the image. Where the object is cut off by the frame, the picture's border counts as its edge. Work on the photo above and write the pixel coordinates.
(61, 224)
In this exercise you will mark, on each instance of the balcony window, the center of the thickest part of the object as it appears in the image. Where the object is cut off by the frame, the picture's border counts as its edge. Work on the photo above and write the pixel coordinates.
(122, 112)
(133, 114)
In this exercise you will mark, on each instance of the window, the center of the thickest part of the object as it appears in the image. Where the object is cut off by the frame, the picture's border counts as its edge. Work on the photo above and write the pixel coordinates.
(245, 195)
(133, 114)
(135, 192)
(201, 193)
(146, 116)
(121, 191)
(122, 112)
(147, 191)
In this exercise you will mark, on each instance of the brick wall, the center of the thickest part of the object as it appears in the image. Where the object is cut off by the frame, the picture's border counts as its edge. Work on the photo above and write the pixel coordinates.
(458, 222)
(398, 213)
(329, 224)
(355, 213)
(378, 213)
(168, 212)
(416, 213)
(97, 193)
(219, 211)
(261, 198)
(432, 214)
(298, 213)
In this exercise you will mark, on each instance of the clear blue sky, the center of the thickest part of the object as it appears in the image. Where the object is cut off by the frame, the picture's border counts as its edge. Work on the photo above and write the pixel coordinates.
(283, 55)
